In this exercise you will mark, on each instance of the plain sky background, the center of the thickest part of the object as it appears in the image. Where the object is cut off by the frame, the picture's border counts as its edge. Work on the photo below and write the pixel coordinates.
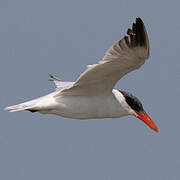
(61, 37)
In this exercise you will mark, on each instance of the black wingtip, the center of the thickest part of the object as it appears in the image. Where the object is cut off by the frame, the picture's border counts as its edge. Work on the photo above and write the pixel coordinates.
(138, 34)
(139, 22)
(138, 19)
(53, 78)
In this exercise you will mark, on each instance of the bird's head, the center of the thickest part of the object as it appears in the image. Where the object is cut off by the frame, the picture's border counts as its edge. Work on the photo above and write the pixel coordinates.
(138, 110)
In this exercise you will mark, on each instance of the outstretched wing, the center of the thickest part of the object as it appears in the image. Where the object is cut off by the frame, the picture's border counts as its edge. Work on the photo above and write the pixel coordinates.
(123, 57)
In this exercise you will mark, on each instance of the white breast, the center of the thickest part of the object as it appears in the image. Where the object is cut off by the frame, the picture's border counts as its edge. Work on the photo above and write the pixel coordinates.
(84, 107)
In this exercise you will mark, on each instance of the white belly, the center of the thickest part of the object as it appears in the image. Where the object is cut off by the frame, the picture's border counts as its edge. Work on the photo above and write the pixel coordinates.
(85, 107)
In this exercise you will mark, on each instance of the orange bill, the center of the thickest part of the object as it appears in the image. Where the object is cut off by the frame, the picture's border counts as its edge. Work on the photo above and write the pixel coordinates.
(147, 120)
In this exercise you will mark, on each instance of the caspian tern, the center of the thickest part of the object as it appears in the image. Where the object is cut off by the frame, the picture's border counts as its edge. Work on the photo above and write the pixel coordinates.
(92, 95)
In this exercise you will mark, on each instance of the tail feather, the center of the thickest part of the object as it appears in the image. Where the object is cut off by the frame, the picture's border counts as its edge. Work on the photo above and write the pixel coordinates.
(29, 105)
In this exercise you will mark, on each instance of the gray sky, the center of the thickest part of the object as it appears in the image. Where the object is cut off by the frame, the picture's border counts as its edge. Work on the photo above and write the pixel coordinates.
(38, 37)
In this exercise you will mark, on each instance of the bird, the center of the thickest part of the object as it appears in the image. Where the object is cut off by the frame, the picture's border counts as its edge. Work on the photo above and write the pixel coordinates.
(92, 95)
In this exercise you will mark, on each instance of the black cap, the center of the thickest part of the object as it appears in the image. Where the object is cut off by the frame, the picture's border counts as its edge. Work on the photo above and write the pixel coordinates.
(133, 101)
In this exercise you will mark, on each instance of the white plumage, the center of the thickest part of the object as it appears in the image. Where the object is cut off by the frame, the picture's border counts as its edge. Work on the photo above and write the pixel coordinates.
(92, 94)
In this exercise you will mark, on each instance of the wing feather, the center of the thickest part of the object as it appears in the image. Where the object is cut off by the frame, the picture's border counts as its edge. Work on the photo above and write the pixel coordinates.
(60, 85)
(123, 57)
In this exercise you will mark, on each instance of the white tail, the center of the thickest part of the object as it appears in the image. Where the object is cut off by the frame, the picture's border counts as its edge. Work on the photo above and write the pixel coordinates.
(29, 105)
